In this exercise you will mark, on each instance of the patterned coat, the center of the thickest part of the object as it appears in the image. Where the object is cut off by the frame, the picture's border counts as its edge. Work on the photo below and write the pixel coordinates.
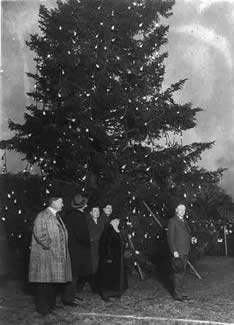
(49, 255)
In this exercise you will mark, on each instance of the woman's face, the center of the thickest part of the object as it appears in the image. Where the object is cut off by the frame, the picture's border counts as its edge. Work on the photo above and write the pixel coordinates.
(108, 210)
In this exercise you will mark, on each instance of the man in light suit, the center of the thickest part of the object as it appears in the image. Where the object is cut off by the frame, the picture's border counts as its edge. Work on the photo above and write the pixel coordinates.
(179, 238)
(50, 263)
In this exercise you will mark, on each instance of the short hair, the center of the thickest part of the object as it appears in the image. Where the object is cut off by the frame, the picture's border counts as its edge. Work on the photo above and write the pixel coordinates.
(53, 198)
(107, 203)
(180, 205)
(94, 205)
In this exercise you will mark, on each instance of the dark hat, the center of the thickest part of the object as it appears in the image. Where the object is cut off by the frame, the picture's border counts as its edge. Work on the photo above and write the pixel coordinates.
(79, 201)
(177, 264)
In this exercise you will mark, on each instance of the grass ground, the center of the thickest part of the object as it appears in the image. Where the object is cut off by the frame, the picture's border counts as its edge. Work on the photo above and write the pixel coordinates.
(145, 303)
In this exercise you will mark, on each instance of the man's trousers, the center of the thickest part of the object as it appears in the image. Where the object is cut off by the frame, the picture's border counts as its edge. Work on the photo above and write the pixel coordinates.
(178, 278)
(45, 297)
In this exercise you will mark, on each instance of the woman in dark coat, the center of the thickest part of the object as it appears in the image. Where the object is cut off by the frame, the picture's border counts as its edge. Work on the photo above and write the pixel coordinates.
(112, 269)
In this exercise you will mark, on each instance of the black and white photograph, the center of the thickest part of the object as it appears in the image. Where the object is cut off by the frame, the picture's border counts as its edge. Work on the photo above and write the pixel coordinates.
(116, 162)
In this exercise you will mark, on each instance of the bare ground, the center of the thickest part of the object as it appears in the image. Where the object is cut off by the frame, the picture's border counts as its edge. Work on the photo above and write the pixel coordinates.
(145, 302)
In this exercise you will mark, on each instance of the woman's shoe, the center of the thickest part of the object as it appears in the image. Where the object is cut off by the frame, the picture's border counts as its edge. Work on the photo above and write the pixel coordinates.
(106, 299)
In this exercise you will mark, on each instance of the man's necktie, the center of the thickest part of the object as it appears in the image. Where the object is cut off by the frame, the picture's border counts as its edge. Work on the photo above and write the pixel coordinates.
(59, 219)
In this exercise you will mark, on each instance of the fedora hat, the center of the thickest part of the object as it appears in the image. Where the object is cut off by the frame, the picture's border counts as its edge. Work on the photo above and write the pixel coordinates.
(79, 201)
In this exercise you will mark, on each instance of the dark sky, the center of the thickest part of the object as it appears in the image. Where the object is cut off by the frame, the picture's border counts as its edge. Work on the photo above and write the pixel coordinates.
(200, 46)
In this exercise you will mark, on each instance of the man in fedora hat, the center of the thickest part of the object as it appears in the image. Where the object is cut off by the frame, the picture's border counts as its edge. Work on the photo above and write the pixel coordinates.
(79, 243)
(179, 238)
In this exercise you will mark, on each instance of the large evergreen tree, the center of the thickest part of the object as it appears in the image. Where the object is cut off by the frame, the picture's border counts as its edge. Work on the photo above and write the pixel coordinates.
(99, 111)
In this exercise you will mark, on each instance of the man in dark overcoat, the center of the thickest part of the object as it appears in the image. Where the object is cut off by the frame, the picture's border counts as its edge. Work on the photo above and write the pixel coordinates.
(96, 225)
(79, 244)
(50, 264)
(179, 239)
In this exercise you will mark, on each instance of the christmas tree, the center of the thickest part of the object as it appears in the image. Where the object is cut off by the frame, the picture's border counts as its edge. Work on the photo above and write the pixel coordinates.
(99, 112)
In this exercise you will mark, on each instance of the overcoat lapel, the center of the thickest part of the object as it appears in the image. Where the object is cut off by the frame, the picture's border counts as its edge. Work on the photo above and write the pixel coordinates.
(185, 224)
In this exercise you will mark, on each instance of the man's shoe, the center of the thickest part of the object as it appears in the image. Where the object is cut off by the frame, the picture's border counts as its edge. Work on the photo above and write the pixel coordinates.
(58, 307)
(186, 298)
(106, 299)
(44, 313)
(71, 304)
(77, 299)
(177, 298)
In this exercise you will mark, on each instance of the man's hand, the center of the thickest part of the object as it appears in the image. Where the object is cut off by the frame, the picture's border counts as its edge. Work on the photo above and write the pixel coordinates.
(194, 240)
(108, 261)
(176, 254)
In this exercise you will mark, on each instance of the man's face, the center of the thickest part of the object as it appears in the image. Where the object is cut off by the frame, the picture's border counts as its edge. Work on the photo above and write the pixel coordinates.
(95, 212)
(58, 204)
(180, 210)
(108, 210)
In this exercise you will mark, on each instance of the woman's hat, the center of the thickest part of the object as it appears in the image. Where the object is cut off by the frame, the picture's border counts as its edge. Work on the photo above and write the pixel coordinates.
(79, 201)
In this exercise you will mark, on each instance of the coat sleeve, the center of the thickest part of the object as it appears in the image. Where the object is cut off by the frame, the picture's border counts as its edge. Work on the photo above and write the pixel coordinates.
(40, 232)
(171, 236)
